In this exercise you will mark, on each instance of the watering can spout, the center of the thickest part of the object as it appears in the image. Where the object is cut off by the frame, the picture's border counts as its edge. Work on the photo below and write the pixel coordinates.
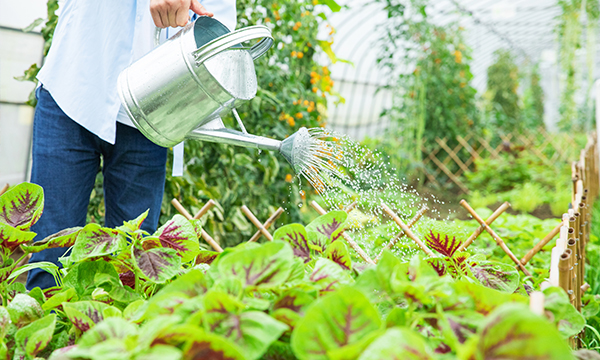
(215, 131)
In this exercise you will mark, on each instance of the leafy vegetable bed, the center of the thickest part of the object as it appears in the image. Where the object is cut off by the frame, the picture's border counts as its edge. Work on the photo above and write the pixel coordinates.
(126, 294)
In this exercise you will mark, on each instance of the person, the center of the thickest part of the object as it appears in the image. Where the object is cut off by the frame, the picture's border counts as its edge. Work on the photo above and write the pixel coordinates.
(79, 123)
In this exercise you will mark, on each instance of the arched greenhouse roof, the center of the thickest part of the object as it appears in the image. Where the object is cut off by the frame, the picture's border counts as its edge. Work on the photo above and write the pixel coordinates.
(527, 28)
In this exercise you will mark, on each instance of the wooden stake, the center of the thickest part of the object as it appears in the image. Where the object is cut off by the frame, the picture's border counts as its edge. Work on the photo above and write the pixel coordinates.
(407, 230)
(267, 224)
(181, 209)
(203, 233)
(4, 189)
(350, 207)
(563, 271)
(346, 237)
(575, 285)
(401, 234)
(541, 244)
(495, 236)
(480, 229)
(205, 209)
(256, 223)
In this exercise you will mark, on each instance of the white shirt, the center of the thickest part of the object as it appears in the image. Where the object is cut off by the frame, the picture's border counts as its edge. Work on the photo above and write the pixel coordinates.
(93, 42)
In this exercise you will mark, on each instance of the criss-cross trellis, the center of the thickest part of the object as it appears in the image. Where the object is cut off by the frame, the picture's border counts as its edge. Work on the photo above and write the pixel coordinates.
(450, 160)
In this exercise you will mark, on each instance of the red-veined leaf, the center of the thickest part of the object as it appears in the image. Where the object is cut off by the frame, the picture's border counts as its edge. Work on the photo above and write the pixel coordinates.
(179, 234)
(94, 240)
(22, 206)
(295, 235)
(85, 314)
(263, 266)
(338, 253)
(326, 228)
(63, 238)
(11, 238)
(343, 319)
(34, 337)
(157, 265)
(444, 245)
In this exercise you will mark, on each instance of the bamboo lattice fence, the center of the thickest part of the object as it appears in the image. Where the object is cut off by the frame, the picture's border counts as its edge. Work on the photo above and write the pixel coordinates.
(447, 163)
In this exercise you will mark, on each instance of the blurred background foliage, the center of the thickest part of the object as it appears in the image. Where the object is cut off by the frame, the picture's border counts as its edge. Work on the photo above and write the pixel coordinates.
(432, 95)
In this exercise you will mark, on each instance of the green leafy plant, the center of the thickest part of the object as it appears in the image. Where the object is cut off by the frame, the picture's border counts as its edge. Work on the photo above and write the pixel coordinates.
(502, 85)
(300, 296)
(434, 97)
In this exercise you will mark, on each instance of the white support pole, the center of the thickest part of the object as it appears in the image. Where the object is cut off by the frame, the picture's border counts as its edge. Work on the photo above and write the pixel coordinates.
(597, 96)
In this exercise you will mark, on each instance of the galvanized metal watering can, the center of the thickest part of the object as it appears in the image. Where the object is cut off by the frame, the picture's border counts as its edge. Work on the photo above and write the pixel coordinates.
(180, 89)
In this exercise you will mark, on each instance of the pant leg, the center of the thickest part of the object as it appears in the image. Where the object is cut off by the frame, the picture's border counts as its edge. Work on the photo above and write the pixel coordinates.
(134, 178)
(65, 161)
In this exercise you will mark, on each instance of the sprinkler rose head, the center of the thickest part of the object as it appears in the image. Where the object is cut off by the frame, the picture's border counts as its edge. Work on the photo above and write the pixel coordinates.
(294, 147)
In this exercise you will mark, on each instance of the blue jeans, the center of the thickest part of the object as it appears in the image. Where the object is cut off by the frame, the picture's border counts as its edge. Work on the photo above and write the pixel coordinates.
(65, 161)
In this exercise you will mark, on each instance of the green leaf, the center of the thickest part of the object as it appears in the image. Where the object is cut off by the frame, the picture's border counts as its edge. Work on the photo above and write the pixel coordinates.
(160, 352)
(485, 299)
(192, 283)
(44, 265)
(4, 322)
(110, 328)
(129, 313)
(135, 224)
(203, 345)
(11, 238)
(512, 331)
(94, 240)
(252, 331)
(114, 288)
(24, 309)
(206, 257)
(328, 275)
(34, 337)
(22, 206)
(340, 319)
(7, 269)
(326, 47)
(286, 316)
(397, 343)
(82, 276)
(497, 275)
(157, 265)
(339, 254)
(63, 238)
(85, 314)
(569, 321)
(296, 236)
(220, 306)
(179, 234)
(31, 26)
(56, 300)
(326, 228)
(333, 6)
(294, 299)
(263, 266)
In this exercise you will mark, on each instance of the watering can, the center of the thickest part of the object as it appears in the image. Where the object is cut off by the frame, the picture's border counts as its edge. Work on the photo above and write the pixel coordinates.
(180, 89)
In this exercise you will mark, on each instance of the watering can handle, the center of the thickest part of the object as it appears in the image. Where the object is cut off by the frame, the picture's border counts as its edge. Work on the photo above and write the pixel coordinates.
(157, 36)
(228, 40)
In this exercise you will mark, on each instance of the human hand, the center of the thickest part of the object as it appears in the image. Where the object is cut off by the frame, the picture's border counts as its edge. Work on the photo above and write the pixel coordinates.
(175, 13)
